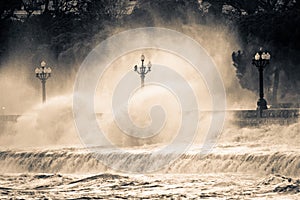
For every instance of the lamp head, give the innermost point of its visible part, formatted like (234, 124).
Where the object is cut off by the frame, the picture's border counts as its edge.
(149, 66)
(257, 56)
(43, 64)
(268, 56)
(48, 70)
(37, 70)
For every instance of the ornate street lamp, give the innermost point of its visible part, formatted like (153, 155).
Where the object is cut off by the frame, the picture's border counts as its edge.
(142, 71)
(43, 73)
(261, 59)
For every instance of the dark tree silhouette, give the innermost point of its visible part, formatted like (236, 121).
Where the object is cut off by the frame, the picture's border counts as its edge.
(8, 7)
(169, 10)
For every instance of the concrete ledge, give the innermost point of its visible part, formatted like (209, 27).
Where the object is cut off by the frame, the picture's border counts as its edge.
(270, 113)
(242, 118)
(251, 118)
(9, 118)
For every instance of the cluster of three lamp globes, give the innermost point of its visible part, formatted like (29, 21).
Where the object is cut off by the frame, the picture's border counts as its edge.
(43, 72)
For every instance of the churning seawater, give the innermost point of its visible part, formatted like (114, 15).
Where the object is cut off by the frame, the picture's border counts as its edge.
(246, 163)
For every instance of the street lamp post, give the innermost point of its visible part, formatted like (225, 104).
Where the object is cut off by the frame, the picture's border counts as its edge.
(261, 59)
(142, 71)
(43, 73)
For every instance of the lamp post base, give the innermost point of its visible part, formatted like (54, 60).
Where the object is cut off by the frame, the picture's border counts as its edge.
(262, 104)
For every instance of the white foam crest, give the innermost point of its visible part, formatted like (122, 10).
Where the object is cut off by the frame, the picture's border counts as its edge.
(43, 125)
(81, 161)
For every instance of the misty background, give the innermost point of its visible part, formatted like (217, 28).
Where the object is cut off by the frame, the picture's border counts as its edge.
(63, 32)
